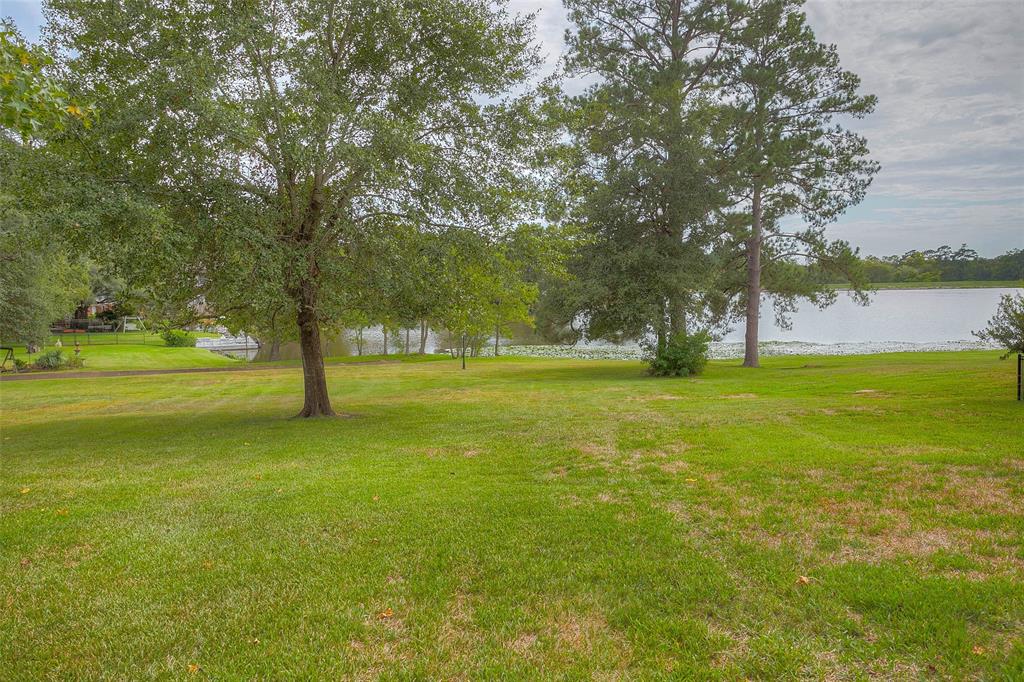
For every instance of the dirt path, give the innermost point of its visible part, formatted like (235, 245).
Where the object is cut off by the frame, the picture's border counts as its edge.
(96, 374)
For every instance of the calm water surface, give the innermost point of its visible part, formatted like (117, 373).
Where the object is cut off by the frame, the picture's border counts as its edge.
(912, 315)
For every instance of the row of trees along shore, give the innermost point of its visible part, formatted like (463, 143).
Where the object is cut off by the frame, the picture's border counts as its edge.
(945, 264)
(310, 165)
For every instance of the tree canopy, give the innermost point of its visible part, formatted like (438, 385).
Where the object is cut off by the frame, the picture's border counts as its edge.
(278, 138)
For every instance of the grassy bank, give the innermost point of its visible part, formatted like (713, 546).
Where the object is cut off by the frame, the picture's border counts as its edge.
(133, 354)
(824, 518)
(151, 355)
(966, 284)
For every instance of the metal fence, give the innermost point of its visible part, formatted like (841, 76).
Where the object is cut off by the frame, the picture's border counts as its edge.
(85, 337)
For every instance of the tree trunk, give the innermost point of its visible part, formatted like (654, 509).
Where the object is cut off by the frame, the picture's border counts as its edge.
(750, 353)
(275, 349)
(497, 337)
(317, 402)
(385, 330)
(423, 337)
(677, 316)
(406, 340)
(661, 330)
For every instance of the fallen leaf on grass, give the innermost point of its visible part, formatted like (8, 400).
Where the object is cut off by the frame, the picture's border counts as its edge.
(978, 650)
(691, 480)
(26, 490)
(60, 512)
(25, 561)
(386, 613)
(376, 498)
(207, 564)
(803, 580)
(193, 668)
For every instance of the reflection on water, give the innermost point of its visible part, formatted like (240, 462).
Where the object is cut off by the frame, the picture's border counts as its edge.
(914, 315)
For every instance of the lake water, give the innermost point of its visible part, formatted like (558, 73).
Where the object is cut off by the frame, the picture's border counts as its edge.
(896, 319)
(907, 315)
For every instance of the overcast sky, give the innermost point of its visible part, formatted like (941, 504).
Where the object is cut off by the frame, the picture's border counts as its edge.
(948, 130)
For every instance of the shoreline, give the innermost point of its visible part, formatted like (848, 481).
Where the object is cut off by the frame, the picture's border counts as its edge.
(718, 350)
(931, 286)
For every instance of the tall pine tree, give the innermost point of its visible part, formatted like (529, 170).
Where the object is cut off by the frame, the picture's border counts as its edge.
(783, 91)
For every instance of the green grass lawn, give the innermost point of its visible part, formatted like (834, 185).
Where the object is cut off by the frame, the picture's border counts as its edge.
(964, 284)
(154, 354)
(822, 518)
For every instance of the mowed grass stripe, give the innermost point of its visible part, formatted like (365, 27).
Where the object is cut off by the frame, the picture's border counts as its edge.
(524, 518)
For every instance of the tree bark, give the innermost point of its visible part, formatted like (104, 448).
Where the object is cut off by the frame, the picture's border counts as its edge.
(406, 340)
(497, 337)
(317, 402)
(275, 349)
(423, 337)
(751, 357)
(677, 316)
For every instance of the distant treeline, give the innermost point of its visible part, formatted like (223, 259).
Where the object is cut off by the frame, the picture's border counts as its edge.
(945, 264)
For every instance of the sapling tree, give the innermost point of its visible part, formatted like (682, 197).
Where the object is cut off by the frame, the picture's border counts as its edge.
(274, 133)
(783, 90)
(1006, 327)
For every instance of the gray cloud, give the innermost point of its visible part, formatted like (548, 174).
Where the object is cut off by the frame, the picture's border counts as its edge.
(948, 130)
(949, 76)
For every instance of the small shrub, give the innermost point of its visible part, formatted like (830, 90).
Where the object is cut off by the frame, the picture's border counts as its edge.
(52, 359)
(178, 338)
(20, 364)
(1006, 328)
(683, 355)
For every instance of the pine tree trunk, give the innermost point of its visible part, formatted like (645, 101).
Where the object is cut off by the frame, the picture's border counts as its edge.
(677, 316)
(750, 353)
(317, 402)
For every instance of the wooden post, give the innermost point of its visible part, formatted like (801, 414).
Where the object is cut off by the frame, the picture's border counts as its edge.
(1020, 371)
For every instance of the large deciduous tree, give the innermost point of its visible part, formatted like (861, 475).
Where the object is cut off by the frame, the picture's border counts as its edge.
(31, 101)
(41, 280)
(274, 133)
(783, 92)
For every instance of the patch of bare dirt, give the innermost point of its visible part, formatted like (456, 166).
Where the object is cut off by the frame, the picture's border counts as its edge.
(523, 644)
